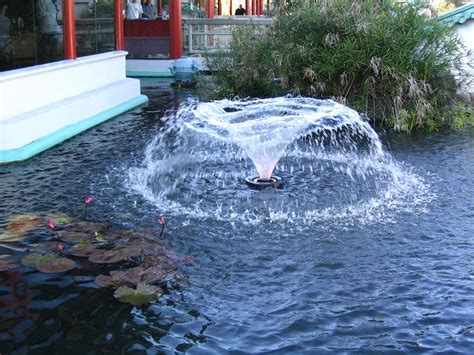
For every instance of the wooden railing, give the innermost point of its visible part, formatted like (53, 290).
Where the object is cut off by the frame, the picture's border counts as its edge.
(209, 35)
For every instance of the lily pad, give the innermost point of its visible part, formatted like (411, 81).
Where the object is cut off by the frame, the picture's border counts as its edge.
(56, 265)
(8, 262)
(34, 258)
(60, 218)
(141, 295)
(74, 236)
(85, 252)
(103, 281)
(117, 254)
(21, 224)
(7, 237)
(23, 217)
(82, 244)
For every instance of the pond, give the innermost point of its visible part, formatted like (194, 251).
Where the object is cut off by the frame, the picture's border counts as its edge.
(344, 258)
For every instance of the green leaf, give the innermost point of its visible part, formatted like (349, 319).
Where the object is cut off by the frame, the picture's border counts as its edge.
(82, 244)
(34, 258)
(60, 218)
(141, 295)
(55, 265)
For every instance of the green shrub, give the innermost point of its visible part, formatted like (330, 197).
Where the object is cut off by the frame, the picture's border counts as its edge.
(387, 60)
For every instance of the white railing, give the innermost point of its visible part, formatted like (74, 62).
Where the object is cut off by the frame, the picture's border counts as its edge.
(209, 35)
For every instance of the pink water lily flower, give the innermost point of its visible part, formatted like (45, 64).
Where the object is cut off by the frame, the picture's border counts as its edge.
(162, 220)
(51, 225)
(89, 200)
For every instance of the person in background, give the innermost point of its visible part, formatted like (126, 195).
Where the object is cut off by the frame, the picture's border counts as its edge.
(164, 13)
(240, 11)
(149, 11)
(134, 10)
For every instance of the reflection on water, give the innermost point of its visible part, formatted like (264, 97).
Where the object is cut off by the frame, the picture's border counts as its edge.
(392, 279)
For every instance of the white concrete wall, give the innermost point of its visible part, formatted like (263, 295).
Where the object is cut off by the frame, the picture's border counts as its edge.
(466, 33)
(48, 103)
(30, 88)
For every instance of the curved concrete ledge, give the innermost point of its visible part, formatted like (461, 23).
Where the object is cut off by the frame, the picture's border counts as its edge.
(50, 140)
(43, 105)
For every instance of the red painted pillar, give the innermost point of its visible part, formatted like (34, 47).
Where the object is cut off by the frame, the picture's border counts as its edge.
(260, 7)
(159, 7)
(219, 7)
(118, 26)
(253, 7)
(210, 4)
(247, 7)
(69, 30)
(230, 8)
(176, 36)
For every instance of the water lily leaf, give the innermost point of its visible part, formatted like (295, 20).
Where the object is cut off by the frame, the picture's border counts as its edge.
(85, 252)
(82, 244)
(141, 295)
(162, 262)
(23, 217)
(103, 281)
(119, 253)
(130, 277)
(60, 218)
(53, 266)
(73, 236)
(34, 258)
(100, 238)
(108, 256)
(10, 238)
(21, 224)
(8, 262)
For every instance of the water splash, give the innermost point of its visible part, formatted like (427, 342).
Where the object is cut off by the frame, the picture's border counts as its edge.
(333, 164)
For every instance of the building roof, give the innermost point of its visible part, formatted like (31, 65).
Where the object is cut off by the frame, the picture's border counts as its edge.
(458, 15)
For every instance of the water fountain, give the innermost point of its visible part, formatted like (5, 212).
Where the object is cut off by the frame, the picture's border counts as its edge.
(329, 162)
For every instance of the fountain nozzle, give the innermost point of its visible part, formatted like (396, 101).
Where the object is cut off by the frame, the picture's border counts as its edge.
(258, 183)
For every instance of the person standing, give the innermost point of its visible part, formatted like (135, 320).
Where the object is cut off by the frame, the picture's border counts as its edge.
(134, 10)
(149, 11)
(240, 11)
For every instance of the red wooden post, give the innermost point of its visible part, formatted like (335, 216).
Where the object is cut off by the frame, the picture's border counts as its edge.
(247, 7)
(253, 7)
(230, 8)
(118, 26)
(219, 7)
(176, 36)
(159, 7)
(209, 8)
(69, 31)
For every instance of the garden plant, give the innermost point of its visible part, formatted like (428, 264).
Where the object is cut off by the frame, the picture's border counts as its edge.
(390, 61)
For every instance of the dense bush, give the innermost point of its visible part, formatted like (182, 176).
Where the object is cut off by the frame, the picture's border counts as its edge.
(387, 60)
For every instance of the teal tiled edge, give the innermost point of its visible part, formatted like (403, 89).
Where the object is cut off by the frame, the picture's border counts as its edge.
(46, 142)
(141, 74)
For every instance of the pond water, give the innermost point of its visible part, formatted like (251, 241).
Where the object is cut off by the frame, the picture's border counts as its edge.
(324, 265)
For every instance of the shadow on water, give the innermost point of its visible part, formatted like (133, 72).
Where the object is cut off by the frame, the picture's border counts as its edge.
(352, 256)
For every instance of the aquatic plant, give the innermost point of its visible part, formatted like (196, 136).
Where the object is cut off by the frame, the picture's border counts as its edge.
(53, 228)
(88, 201)
(141, 261)
(162, 222)
(388, 60)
